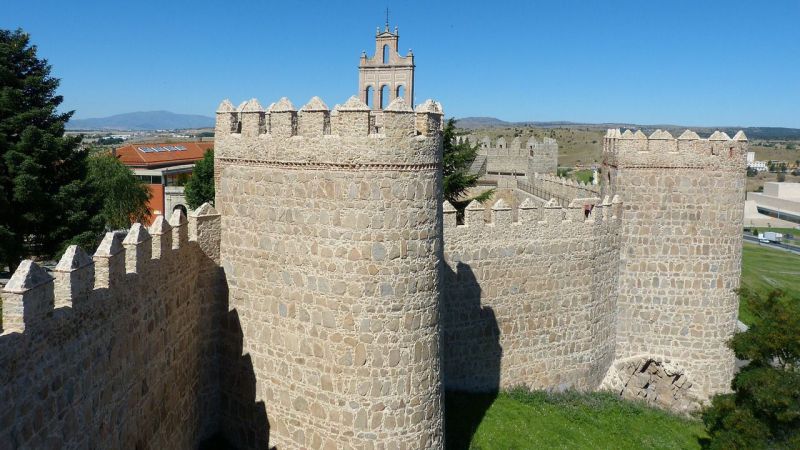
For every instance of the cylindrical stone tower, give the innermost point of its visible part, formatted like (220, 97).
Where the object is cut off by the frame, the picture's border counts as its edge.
(681, 255)
(331, 246)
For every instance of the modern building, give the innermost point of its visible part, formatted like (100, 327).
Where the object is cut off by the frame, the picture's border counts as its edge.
(164, 167)
(778, 205)
(759, 166)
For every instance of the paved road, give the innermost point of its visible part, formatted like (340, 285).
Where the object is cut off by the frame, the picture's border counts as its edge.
(777, 246)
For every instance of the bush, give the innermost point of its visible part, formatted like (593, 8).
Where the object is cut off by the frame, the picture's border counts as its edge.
(764, 409)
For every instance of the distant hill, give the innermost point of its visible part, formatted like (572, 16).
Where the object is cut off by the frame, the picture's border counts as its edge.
(143, 120)
(751, 132)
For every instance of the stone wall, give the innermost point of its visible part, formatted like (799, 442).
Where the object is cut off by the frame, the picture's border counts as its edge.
(515, 159)
(564, 190)
(116, 350)
(682, 249)
(331, 246)
(529, 302)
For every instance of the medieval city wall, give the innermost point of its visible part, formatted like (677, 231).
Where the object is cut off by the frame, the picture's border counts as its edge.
(530, 301)
(681, 255)
(115, 350)
(564, 190)
(331, 246)
(536, 156)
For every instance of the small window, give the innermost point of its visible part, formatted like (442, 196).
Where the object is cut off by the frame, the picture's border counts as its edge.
(401, 91)
(385, 54)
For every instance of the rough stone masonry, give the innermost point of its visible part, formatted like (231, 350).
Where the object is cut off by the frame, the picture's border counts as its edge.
(332, 296)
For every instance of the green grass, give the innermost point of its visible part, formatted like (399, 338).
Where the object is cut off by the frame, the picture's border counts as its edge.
(538, 420)
(765, 269)
(584, 176)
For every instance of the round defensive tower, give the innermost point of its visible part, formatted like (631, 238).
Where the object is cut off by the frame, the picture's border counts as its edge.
(680, 261)
(331, 245)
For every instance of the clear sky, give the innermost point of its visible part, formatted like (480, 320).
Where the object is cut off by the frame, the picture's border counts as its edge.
(733, 63)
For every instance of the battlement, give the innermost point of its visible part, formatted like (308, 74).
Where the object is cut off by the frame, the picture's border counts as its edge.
(532, 220)
(32, 295)
(662, 150)
(501, 147)
(347, 134)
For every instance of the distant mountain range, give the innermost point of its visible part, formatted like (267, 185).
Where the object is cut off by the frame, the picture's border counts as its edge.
(751, 132)
(143, 121)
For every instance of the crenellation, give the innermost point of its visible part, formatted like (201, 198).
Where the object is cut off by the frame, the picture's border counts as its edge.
(352, 119)
(138, 248)
(449, 213)
(161, 236)
(688, 151)
(252, 118)
(501, 214)
(28, 299)
(74, 278)
(180, 229)
(474, 214)
(314, 119)
(109, 261)
(282, 119)
(227, 119)
(399, 120)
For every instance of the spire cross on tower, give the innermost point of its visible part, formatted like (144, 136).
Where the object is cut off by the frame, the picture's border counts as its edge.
(387, 19)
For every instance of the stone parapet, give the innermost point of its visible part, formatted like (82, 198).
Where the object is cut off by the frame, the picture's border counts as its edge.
(314, 135)
(530, 301)
(662, 150)
(99, 355)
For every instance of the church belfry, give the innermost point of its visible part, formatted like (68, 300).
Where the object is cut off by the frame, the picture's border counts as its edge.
(386, 75)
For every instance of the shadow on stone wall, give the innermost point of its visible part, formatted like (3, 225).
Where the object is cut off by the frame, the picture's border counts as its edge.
(472, 354)
(243, 422)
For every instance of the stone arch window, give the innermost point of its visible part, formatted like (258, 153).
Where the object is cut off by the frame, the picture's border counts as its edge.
(368, 95)
(401, 91)
(384, 96)
(386, 53)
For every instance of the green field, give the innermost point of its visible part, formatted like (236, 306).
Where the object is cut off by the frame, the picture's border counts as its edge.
(539, 420)
(764, 269)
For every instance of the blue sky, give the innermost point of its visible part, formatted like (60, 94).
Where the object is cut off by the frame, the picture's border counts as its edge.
(649, 62)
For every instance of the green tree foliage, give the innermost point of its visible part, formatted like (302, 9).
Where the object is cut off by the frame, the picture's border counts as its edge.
(123, 196)
(44, 197)
(764, 409)
(455, 167)
(200, 186)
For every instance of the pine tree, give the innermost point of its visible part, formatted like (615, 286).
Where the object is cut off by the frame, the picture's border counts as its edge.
(456, 161)
(200, 187)
(45, 199)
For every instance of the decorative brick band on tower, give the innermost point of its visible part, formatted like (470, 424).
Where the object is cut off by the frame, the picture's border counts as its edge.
(331, 244)
(681, 257)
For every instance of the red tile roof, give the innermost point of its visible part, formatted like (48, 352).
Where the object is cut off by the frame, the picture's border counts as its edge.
(154, 155)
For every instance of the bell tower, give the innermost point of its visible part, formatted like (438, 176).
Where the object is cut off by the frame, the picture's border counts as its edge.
(386, 75)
